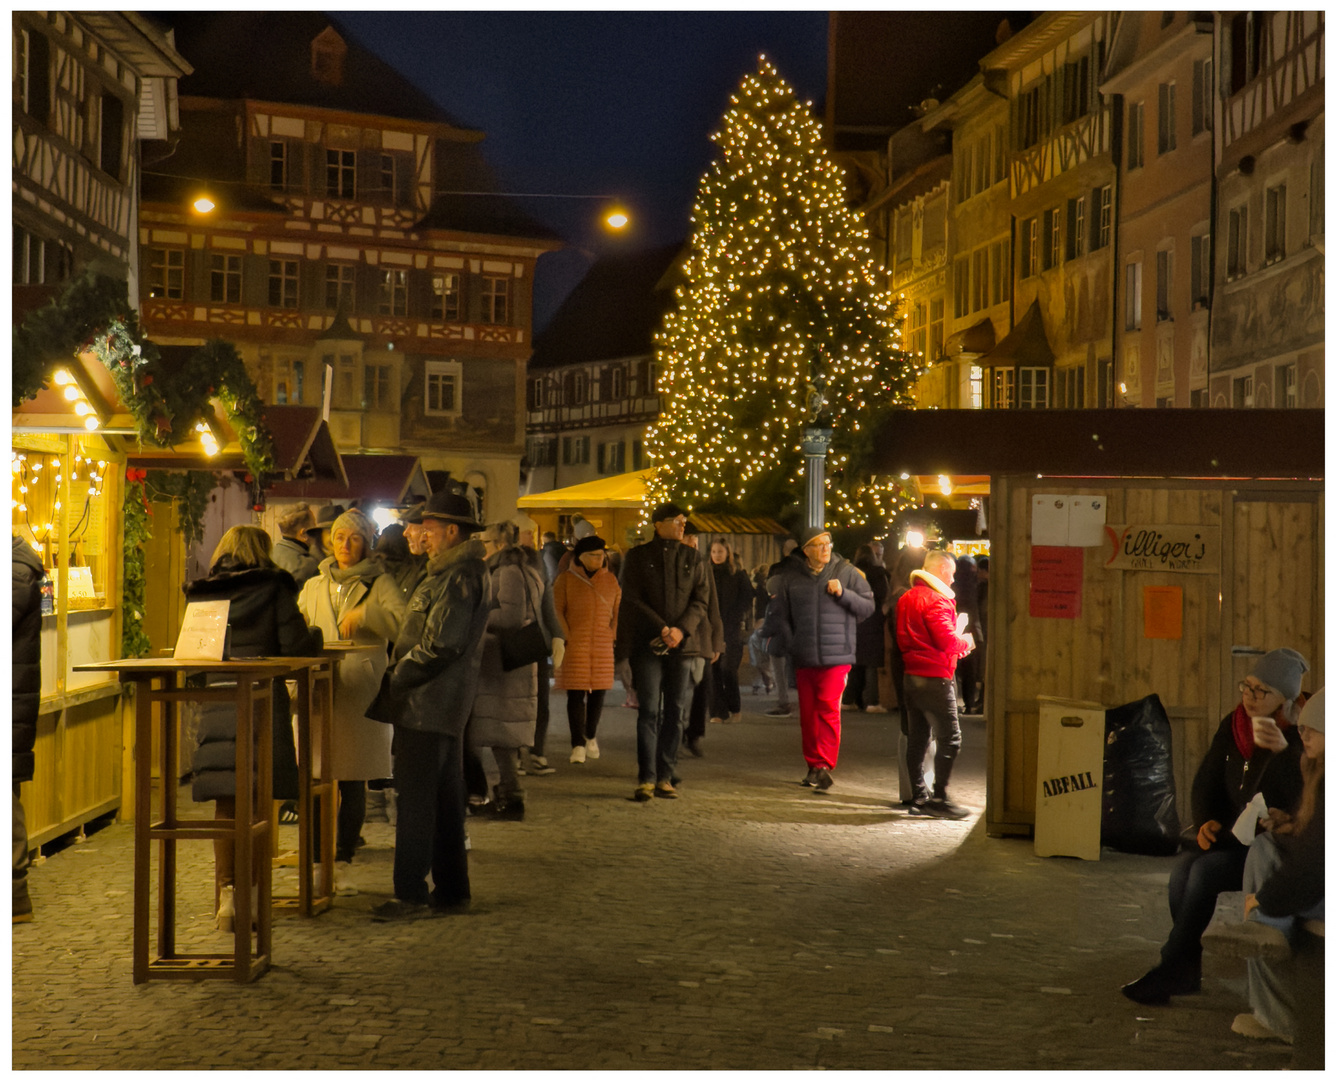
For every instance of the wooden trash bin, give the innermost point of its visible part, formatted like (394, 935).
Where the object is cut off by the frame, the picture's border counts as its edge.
(1070, 781)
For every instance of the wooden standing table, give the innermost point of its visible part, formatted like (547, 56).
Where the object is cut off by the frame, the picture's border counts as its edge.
(160, 681)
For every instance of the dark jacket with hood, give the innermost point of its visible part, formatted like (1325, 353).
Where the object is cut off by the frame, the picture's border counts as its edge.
(27, 656)
(264, 621)
(664, 583)
(734, 591)
(813, 628)
(437, 656)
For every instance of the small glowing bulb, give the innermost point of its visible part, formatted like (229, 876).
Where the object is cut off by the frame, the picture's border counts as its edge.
(91, 423)
(71, 393)
(62, 377)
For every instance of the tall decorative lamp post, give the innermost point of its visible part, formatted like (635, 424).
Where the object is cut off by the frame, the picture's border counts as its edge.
(816, 442)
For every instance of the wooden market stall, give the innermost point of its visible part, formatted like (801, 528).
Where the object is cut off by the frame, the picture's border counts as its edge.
(1133, 552)
(613, 505)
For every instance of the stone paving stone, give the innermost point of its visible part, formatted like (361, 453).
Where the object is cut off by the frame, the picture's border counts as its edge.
(750, 924)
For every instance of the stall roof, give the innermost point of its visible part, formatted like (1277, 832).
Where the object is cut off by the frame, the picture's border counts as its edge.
(387, 478)
(1196, 443)
(737, 524)
(625, 491)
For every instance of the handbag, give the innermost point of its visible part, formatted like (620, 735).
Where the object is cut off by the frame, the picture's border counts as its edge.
(525, 646)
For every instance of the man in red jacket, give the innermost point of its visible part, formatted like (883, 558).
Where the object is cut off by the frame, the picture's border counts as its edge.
(925, 629)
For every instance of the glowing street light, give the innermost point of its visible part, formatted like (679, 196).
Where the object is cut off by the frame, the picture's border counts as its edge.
(617, 219)
(204, 204)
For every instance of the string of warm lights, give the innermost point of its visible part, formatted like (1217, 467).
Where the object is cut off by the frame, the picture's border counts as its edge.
(780, 285)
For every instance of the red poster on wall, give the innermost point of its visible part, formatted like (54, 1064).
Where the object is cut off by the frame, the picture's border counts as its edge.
(1055, 582)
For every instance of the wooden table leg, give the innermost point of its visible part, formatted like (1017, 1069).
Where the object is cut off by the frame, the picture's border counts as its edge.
(243, 850)
(167, 847)
(262, 831)
(305, 811)
(143, 757)
(330, 805)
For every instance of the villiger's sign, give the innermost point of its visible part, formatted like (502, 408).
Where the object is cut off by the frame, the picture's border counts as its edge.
(1183, 549)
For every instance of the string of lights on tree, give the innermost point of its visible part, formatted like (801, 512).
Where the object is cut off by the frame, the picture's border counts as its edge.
(781, 290)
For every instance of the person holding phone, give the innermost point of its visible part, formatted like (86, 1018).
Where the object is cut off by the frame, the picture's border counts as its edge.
(1255, 749)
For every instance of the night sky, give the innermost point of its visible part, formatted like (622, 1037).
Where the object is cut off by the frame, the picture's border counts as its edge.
(595, 103)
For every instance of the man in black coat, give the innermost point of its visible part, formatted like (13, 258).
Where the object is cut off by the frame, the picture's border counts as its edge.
(27, 669)
(663, 624)
(430, 695)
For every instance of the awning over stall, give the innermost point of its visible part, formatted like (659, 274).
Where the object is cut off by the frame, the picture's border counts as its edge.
(625, 491)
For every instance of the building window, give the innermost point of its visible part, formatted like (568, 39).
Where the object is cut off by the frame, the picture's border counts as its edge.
(965, 179)
(1001, 252)
(1029, 248)
(21, 69)
(637, 455)
(936, 328)
(1030, 123)
(575, 389)
(1200, 278)
(1246, 48)
(1168, 139)
(1132, 320)
(1033, 388)
(289, 381)
(1076, 226)
(166, 273)
(534, 397)
(1275, 223)
(278, 165)
(495, 300)
(1203, 76)
(611, 458)
(341, 174)
(961, 287)
(918, 330)
(35, 68)
(1164, 284)
(976, 387)
(1049, 249)
(387, 176)
(1243, 392)
(393, 292)
(1136, 127)
(979, 284)
(1104, 203)
(904, 236)
(283, 283)
(1075, 90)
(575, 450)
(1287, 387)
(339, 281)
(112, 140)
(38, 261)
(1002, 388)
(1197, 399)
(376, 388)
(1069, 388)
(999, 153)
(983, 160)
(445, 297)
(618, 383)
(1236, 254)
(225, 279)
(444, 387)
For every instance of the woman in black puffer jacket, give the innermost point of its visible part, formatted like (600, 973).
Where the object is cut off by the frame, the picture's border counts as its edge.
(264, 621)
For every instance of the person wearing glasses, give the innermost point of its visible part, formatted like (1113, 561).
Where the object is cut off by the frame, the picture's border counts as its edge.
(817, 602)
(1256, 750)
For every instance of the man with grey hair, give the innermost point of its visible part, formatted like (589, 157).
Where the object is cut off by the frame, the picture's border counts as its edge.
(292, 552)
(925, 628)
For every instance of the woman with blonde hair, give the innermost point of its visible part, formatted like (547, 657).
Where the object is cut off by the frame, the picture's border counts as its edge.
(355, 598)
(264, 621)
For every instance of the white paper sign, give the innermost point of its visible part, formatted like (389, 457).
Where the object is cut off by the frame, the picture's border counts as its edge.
(1246, 826)
(203, 631)
(1048, 520)
(1085, 522)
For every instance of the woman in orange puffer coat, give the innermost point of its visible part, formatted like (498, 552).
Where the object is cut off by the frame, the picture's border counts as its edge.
(586, 596)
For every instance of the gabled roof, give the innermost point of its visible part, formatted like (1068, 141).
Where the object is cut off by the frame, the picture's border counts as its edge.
(485, 213)
(1026, 346)
(613, 313)
(266, 55)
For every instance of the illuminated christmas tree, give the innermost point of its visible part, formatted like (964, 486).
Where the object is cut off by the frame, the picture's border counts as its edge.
(781, 300)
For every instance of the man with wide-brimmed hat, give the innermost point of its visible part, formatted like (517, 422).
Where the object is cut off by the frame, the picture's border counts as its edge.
(664, 622)
(431, 691)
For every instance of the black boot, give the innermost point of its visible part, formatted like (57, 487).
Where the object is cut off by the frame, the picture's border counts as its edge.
(1164, 981)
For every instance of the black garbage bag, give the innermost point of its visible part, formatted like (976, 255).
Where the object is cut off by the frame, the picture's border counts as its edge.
(1140, 813)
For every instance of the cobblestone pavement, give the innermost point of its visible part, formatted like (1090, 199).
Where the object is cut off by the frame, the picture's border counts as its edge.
(751, 924)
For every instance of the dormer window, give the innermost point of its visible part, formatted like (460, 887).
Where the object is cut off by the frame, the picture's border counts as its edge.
(328, 51)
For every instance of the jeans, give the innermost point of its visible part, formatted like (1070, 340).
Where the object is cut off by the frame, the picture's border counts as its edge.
(726, 696)
(862, 690)
(659, 729)
(1196, 881)
(702, 691)
(22, 905)
(429, 832)
(760, 659)
(930, 704)
(584, 709)
(819, 691)
(782, 674)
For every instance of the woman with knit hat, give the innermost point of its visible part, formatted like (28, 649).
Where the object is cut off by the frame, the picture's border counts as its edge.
(1255, 749)
(355, 597)
(587, 596)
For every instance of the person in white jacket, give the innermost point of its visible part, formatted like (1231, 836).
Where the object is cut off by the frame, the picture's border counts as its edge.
(355, 598)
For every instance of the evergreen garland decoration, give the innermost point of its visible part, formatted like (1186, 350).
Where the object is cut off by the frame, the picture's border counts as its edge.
(135, 523)
(94, 314)
(784, 320)
(193, 489)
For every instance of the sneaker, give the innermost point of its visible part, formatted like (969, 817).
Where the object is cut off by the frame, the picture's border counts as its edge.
(916, 807)
(945, 808)
(779, 710)
(225, 918)
(644, 792)
(733, 718)
(591, 749)
(538, 766)
(1246, 940)
(578, 754)
(717, 720)
(693, 747)
(343, 882)
(876, 708)
(810, 779)
(664, 790)
(397, 910)
(823, 781)
(1249, 1026)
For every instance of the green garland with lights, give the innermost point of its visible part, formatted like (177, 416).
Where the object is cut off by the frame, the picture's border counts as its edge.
(784, 320)
(135, 512)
